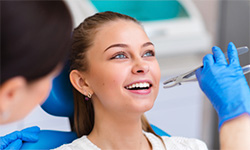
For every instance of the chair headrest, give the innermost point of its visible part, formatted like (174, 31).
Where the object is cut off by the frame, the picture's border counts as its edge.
(60, 101)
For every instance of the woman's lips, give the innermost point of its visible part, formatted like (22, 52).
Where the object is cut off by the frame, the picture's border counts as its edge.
(141, 91)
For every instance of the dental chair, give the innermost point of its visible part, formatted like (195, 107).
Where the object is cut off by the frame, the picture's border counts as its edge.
(60, 103)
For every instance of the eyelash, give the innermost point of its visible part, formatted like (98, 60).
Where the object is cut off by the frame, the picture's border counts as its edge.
(150, 51)
(119, 53)
(125, 56)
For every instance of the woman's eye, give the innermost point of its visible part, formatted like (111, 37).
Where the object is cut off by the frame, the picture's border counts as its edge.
(149, 54)
(119, 56)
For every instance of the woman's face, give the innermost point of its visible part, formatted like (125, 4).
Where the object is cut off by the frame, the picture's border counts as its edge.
(123, 71)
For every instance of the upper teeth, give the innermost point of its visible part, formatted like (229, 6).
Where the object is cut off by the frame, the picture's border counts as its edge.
(138, 85)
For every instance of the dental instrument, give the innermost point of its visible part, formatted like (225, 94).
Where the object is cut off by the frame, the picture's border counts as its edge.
(190, 76)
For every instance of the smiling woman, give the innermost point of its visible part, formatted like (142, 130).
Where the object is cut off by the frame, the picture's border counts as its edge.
(122, 61)
(116, 78)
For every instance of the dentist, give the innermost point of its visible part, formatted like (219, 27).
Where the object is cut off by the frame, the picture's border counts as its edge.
(35, 40)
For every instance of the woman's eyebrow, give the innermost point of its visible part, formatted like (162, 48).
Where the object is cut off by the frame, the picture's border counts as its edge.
(147, 44)
(116, 45)
(124, 45)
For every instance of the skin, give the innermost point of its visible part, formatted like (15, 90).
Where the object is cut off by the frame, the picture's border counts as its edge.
(121, 54)
(18, 97)
(235, 134)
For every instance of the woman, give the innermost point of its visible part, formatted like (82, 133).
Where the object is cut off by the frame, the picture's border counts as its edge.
(35, 40)
(116, 77)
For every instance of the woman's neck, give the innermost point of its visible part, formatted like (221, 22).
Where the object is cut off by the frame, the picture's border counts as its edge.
(118, 133)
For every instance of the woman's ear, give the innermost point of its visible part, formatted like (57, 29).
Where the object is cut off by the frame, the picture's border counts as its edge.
(78, 80)
(10, 92)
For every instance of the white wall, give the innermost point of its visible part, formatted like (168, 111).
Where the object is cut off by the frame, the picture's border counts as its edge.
(38, 117)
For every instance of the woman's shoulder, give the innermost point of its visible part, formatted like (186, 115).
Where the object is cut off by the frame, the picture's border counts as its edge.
(82, 143)
(183, 143)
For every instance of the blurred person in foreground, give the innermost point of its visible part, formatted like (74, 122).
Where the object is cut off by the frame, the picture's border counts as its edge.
(35, 41)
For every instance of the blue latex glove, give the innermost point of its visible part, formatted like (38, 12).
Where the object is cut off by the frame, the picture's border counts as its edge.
(224, 84)
(14, 140)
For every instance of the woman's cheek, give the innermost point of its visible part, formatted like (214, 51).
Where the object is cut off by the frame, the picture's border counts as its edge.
(155, 69)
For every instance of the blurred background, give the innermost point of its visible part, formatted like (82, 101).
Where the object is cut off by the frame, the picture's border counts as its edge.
(183, 32)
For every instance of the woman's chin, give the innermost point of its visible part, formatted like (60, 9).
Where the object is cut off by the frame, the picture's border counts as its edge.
(145, 107)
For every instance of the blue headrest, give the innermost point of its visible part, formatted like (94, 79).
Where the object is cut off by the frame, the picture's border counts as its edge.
(159, 131)
(60, 101)
(49, 139)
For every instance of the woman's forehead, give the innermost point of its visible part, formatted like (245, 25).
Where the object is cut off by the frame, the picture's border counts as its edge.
(118, 24)
(118, 28)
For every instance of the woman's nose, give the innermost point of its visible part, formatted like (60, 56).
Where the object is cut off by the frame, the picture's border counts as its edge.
(140, 67)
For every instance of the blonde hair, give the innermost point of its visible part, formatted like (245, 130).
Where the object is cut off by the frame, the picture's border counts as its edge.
(83, 37)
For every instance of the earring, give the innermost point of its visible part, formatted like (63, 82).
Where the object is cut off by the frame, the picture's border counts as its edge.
(88, 97)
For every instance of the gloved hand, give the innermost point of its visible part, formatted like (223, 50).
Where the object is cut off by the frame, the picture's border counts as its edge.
(224, 84)
(14, 140)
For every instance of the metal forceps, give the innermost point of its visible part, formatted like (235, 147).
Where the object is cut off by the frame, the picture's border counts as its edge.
(190, 76)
